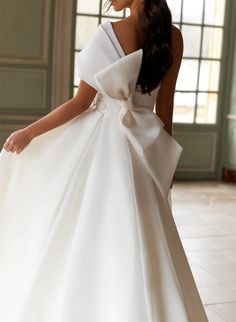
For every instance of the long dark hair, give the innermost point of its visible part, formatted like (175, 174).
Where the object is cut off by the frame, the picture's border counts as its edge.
(156, 23)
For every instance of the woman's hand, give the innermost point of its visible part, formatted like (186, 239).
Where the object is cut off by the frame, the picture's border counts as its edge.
(18, 141)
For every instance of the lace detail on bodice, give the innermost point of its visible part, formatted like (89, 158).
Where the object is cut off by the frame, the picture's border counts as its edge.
(96, 101)
(105, 105)
(137, 98)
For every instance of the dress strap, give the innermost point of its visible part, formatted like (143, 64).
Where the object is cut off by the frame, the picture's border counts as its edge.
(108, 29)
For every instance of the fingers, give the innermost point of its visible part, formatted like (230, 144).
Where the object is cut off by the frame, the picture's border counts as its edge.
(10, 147)
(6, 146)
(13, 149)
(16, 142)
(18, 151)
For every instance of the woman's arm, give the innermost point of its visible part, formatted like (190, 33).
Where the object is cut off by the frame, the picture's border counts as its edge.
(165, 98)
(65, 112)
(18, 140)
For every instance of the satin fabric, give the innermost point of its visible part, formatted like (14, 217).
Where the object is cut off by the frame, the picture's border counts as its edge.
(86, 228)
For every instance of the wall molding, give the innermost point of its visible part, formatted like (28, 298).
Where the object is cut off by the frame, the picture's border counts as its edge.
(16, 122)
(17, 117)
(212, 166)
(13, 127)
(40, 74)
(47, 5)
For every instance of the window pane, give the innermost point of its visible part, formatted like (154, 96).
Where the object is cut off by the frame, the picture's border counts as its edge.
(192, 37)
(187, 79)
(175, 7)
(184, 107)
(212, 42)
(85, 28)
(209, 75)
(192, 11)
(91, 6)
(214, 12)
(206, 108)
(76, 76)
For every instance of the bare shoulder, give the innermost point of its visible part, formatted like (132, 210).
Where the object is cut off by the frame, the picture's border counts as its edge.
(127, 34)
(121, 26)
(124, 28)
(177, 41)
(121, 23)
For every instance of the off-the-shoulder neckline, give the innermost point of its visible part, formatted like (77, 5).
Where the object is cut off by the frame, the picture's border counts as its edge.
(124, 54)
(118, 42)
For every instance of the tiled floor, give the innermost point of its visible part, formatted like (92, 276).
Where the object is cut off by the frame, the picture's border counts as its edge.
(205, 215)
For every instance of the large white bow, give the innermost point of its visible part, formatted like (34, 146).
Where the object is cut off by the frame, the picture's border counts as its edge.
(141, 125)
(117, 81)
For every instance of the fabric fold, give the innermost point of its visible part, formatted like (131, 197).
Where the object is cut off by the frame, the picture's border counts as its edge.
(159, 151)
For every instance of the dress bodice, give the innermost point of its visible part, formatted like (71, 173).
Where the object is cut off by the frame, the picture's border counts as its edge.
(138, 98)
(104, 65)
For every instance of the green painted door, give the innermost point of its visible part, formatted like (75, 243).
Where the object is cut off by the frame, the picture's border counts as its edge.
(26, 29)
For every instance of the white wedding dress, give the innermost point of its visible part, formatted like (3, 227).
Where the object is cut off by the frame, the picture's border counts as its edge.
(86, 229)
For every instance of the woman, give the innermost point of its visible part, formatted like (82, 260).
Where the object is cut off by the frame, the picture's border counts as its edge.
(86, 231)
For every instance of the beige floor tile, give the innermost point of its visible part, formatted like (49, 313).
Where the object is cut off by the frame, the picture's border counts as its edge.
(197, 244)
(227, 311)
(213, 316)
(205, 216)
(204, 230)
